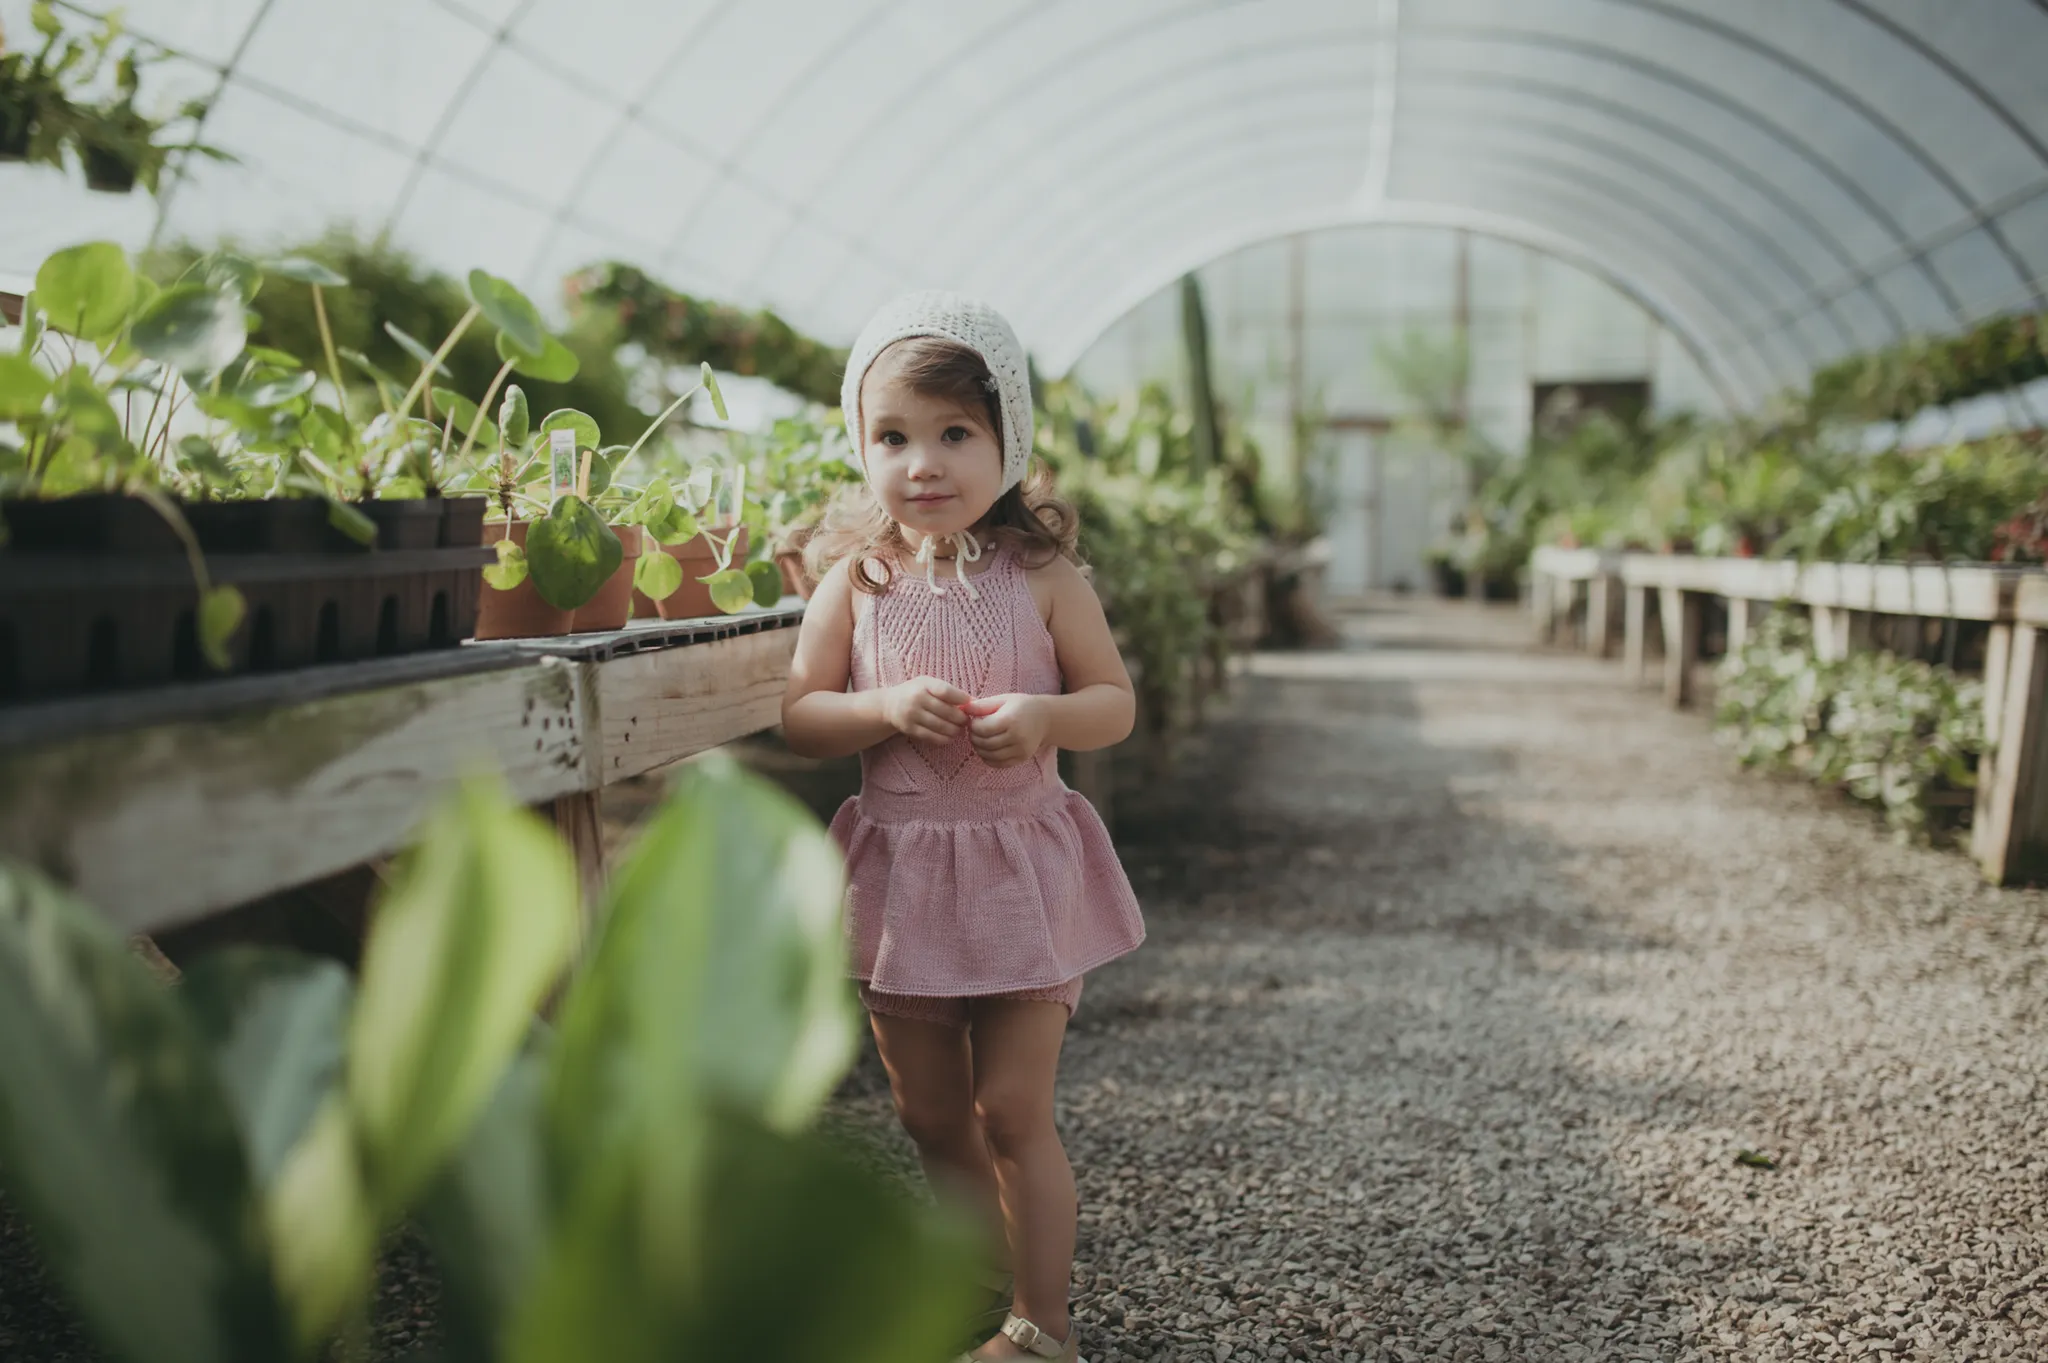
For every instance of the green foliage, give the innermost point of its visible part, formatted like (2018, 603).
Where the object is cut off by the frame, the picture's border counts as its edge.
(571, 553)
(1895, 383)
(674, 328)
(61, 101)
(209, 1168)
(1897, 732)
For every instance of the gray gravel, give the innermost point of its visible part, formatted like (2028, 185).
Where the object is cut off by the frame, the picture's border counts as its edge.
(1470, 974)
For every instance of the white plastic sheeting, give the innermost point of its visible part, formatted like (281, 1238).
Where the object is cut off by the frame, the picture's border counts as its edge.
(1779, 182)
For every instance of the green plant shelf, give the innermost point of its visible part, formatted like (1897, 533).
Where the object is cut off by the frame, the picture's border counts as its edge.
(168, 805)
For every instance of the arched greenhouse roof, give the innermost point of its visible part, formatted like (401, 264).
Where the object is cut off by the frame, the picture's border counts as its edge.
(1780, 183)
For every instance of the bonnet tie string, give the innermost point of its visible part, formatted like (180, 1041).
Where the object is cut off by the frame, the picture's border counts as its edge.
(967, 549)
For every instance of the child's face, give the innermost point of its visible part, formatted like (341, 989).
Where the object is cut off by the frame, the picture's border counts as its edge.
(935, 464)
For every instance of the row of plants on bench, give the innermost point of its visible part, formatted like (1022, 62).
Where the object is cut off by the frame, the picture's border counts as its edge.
(123, 395)
(76, 95)
(209, 1167)
(1897, 382)
(1899, 733)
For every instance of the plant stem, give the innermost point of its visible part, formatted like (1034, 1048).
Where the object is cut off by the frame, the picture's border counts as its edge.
(166, 508)
(327, 344)
(658, 423)
(484, 406)
(427, 370)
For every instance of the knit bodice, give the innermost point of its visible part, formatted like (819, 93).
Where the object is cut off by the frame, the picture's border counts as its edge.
(988, 642)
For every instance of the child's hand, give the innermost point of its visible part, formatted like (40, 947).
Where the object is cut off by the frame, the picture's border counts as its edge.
(926, 710)
(1010, 729)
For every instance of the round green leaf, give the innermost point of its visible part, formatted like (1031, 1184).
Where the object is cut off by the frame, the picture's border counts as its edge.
(509, 311)
(87, 290)
(198, 454)
(657, 575)
(767, 580)
(731, 590)
(306, 271)
(671, 524)
(513, 419)
(193, 329)
(571, 553)
(22, 388)
(569, 419)
(237, 274)
(510, 569)
(277, 391)
(220, 615)
(551, 362)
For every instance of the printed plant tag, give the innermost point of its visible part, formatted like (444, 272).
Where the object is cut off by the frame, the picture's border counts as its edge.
(561, 463)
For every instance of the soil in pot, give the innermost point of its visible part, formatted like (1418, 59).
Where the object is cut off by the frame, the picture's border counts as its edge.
(614, 600)
(519, 613)
(692, 600)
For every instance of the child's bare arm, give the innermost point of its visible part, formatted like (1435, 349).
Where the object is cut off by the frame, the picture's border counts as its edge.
(821, 718)
(1098, 707)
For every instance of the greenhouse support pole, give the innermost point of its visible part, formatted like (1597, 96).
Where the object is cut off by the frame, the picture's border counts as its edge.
(1207, 446)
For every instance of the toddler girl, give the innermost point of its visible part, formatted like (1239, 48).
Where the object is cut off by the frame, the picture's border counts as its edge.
(953, 643)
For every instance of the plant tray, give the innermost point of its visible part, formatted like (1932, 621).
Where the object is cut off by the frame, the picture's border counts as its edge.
(106, 523)
(74, 623)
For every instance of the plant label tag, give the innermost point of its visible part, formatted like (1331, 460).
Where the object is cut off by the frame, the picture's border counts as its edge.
(561, 463)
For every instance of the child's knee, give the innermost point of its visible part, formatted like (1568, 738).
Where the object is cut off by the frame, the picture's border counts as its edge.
(1013, 1118)
(934, 1123)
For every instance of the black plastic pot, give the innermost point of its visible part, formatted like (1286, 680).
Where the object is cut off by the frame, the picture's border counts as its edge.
(406, 524)
(107, 171)
(76, 623)
(14, 138)
(462, 521)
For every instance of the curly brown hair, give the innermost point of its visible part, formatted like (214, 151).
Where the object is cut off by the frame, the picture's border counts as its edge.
(1030, 516)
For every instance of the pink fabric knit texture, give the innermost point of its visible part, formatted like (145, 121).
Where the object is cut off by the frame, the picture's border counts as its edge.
(965, 879)
(955, 1012)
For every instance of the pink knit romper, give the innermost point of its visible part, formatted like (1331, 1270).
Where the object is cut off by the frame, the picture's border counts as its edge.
(966, 880)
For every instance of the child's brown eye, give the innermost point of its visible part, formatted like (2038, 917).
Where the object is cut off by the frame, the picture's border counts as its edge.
(956, 433)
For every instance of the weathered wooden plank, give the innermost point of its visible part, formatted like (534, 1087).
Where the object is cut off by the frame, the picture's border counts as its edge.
(1575, 565)
(1635, 628)
(1680, 610)
(161, 824)
(1997, 673)
(1943, 591)
(1600, 603)
(2012, 843)
(658, 708)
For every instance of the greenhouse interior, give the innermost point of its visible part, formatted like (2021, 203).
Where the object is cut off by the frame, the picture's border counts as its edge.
(607, 610)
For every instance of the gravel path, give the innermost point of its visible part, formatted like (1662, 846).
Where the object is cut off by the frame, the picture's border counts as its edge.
(1470, 974)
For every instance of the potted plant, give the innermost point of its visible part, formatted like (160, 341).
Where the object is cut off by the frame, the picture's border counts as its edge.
(803, 465)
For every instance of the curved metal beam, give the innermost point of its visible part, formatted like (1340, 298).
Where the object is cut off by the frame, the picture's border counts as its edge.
(170, 191)
(431, 143)
(1114, 306)
(1202, 177)
(1027, 245)
(1955, 71)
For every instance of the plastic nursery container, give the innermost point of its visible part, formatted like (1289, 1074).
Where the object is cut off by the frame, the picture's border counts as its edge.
(614, 600)
(519, 613)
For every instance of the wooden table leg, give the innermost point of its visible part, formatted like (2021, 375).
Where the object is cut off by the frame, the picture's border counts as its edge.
(1600, 615)
(1635, 629)
(1681, 615)
(579, 818)
(1542, 605)
(1738, 623)
(2010, 838)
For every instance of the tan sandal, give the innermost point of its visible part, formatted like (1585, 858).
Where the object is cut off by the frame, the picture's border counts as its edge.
(1036, 1342)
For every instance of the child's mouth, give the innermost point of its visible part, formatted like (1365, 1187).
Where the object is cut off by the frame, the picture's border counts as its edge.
(931, 498)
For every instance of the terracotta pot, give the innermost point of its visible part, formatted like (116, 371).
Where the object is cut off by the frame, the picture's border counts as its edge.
(692, 600)
(614, 600)
(795, 581)
(1745, 547)
(519, 613)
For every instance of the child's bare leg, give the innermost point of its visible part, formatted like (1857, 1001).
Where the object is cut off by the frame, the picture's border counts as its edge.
(1016, 1057)
(931, 1078)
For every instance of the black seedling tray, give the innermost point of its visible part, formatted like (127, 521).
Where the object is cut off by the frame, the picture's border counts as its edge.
(73, 623)
(108, 523)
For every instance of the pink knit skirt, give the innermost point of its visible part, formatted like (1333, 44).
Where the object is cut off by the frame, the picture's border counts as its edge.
(946, 902)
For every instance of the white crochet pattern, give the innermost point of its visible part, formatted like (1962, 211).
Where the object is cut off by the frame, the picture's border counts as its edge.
(973, 324)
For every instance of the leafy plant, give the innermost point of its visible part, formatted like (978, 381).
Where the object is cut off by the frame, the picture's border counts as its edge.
(208, 1168)
(46, 106)
(1899, 733)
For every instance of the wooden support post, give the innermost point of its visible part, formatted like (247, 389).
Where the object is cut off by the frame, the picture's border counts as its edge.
(1600, 615)
(579, 818)
(1542, 602)
(1997, 667)
(1681, 615)
(1738, 623)
(2010, 839)
(1827, 634)
(1635, 628)
(1566, 591)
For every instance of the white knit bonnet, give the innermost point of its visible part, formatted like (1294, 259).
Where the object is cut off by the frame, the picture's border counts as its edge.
(964, 320)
